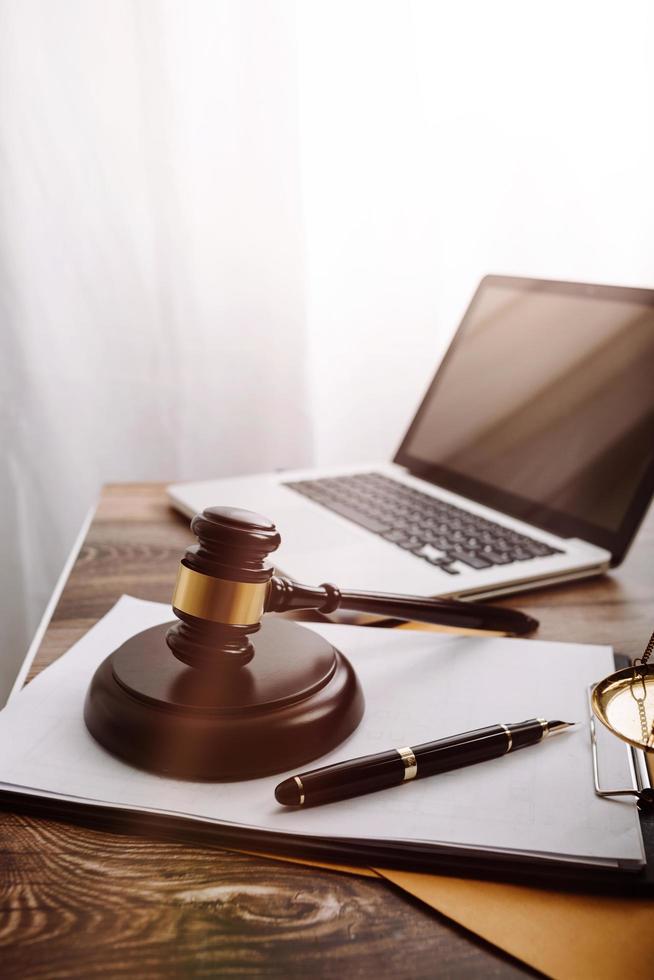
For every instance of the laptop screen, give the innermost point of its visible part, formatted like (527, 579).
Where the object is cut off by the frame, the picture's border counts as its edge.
(544, 406)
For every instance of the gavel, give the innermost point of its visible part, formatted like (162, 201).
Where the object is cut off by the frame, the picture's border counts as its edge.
(225, 585)
(245, 694)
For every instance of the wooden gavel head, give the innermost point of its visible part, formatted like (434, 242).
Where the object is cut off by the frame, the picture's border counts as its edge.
(222, 587)
(225, 584)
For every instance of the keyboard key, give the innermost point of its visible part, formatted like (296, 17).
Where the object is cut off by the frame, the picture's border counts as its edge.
(496, 557)
(395, 536)
(520, 554)
(470, 558)
(431, 554)
(447, 568)
(410, 544)
(370, 523)
(538, 549)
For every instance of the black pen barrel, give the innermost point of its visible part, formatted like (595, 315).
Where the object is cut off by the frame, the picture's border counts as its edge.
(461, 750)
(526, 733)
(367, 774)
(344, 779)
(480, 745)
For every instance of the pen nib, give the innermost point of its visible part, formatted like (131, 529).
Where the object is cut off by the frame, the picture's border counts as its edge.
(553, 727)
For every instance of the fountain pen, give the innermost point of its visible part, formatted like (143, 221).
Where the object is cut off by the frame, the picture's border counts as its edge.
(369, 773)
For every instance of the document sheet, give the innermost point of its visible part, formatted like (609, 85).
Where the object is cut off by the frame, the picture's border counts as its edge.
(535, 803)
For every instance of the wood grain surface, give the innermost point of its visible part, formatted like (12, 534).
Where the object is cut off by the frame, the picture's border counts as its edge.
(78, 902)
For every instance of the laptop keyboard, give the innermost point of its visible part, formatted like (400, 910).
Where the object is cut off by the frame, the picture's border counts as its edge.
(432, 529)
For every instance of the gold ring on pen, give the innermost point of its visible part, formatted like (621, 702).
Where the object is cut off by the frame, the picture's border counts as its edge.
(410, 764)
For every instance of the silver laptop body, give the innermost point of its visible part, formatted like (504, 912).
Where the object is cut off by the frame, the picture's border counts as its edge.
(529, 462)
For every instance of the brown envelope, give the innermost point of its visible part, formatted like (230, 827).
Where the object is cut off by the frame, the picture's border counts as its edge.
(570, 937)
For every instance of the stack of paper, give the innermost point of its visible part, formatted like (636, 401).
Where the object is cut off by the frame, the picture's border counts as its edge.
(537, 804)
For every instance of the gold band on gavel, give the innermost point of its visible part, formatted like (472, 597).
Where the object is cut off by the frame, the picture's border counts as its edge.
(218, 599)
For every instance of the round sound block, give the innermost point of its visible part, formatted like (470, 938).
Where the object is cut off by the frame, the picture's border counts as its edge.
(296, 699)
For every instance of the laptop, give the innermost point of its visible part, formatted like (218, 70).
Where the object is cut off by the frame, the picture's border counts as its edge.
(530, 460)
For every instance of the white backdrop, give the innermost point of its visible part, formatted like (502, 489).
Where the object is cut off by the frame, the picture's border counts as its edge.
(445, 140)
(237, 234)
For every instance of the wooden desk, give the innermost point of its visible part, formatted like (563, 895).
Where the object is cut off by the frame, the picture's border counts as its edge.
(84, 903)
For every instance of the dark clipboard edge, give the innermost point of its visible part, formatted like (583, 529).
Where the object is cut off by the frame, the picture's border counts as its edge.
(488, 867)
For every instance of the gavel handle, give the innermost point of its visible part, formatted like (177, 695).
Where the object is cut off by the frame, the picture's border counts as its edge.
(285, 595)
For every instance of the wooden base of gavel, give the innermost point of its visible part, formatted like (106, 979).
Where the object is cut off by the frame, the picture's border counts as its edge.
(223, 694)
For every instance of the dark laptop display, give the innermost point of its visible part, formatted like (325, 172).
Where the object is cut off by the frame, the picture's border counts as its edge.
(557, 380)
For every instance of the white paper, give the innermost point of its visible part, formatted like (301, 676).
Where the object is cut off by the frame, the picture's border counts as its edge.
(418, 687)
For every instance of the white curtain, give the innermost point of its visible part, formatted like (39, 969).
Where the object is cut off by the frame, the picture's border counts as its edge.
(151, 277)
(442, 140)
(236, 235)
